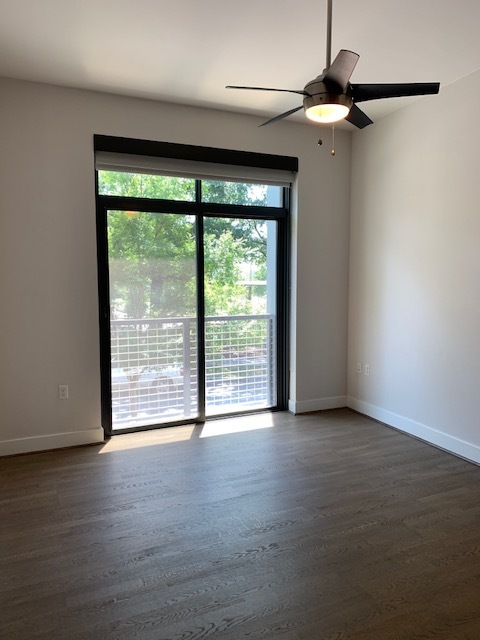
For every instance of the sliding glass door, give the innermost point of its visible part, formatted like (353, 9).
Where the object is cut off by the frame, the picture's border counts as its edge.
(240, 314)
(193, 298)
(153, 325)
(153, 301)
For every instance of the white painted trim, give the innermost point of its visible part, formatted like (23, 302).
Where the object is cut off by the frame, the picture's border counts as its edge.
(320, 404)
(430, 435)
(53, 441)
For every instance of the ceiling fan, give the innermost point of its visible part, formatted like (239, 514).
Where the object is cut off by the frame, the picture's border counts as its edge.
(332, 97)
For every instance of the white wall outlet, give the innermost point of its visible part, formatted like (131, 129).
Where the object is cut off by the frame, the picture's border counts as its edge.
(367, 369)
(359, 367)
(63, 391)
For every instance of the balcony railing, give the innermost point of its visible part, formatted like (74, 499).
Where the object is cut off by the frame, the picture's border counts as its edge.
(155, 368)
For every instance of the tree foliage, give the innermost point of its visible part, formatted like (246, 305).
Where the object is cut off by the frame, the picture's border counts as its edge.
(152, 255)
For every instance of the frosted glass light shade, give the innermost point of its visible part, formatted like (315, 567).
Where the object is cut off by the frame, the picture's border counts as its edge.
(327, 112)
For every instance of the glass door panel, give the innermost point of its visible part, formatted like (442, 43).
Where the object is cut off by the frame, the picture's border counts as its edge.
(240, 314)
(153, 326)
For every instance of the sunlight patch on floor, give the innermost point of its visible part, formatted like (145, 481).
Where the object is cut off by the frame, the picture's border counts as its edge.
(237, 425)
(148, 438)
(170, 435)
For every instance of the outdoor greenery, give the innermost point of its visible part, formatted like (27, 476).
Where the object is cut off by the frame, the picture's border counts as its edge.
(152, 256)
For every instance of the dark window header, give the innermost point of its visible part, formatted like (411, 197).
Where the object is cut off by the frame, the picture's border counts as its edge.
(194, 153)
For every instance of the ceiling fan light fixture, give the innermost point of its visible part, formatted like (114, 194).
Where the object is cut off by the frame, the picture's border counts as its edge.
(327, 113)
(325, 106)
(331, 96)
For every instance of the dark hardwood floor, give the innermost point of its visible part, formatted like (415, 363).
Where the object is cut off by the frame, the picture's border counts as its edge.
(321, 527)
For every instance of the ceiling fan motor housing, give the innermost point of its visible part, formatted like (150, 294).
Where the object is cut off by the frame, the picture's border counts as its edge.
(320, 93)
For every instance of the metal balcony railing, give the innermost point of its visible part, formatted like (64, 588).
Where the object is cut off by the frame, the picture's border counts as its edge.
(154, 367)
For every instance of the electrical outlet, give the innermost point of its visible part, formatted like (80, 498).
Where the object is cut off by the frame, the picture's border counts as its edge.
(63, 391)
(359, 367)
(367, 369)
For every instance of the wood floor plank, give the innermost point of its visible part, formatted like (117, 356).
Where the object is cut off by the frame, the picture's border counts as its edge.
(325, 526)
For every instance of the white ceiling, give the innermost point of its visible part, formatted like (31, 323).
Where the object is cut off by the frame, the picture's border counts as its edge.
(186, 51)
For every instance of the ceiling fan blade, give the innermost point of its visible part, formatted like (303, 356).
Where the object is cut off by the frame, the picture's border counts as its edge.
(281, 116)
(301, 92)
(358, 118)
(363, 92)
(341, 69)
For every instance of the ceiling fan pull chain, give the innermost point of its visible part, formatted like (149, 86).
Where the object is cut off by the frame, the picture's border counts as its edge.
(333, 139)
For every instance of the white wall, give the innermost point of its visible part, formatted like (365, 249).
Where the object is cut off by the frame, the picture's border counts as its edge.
(414, 305)
(48, 286)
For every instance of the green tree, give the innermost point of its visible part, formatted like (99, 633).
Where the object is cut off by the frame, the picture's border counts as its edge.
(152, 256)
(223, 257)
(152, 264)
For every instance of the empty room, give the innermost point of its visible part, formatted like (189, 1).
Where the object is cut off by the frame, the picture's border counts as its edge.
(239, 330)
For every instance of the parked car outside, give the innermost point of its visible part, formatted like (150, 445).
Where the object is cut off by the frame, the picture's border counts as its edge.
(144, 380)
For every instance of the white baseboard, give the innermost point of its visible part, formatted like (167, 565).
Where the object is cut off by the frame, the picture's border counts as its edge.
(430, 435)
(53, 441)
(320, 404)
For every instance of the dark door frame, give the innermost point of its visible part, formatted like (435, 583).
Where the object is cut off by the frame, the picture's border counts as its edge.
(200, 210)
